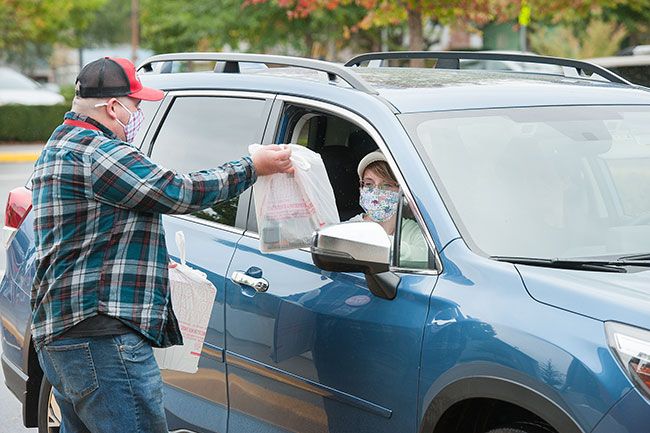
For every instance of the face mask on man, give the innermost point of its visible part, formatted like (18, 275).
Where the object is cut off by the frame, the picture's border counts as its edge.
(134, 123)
(380, 204)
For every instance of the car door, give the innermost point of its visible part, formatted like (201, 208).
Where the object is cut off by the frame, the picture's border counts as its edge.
(202, 130)
(317, 352)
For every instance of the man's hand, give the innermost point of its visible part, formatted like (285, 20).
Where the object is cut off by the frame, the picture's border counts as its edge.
(272, 159)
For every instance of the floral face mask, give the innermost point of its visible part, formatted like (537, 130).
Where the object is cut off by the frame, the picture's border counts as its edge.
(131, 127)
(379, 204)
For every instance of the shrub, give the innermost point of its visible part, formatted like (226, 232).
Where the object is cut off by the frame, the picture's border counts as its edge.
(67, 90)
(30, 122)
(599, 39)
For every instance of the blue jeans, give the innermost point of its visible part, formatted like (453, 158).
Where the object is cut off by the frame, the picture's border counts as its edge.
(105, 384)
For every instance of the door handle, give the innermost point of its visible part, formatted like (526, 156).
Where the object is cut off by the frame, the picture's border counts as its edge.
(441, 322)
(259, 284)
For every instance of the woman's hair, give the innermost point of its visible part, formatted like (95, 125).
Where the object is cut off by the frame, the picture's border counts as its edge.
(382, 170)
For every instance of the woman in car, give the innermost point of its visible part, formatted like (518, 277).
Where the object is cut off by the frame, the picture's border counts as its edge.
(379, 196)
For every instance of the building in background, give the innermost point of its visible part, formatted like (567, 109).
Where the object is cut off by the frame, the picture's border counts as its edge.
(66, 63)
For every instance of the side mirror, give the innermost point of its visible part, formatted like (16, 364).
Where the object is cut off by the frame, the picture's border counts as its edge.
(357, 247)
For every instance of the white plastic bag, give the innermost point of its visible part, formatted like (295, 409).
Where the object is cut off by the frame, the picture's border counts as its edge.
(290, 207)
(192, 299)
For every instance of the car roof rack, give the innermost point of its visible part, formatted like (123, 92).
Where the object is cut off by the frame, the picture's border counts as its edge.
(451, 60)
(230, 63)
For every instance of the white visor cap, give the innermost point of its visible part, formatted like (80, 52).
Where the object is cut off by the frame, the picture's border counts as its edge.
(369, 159)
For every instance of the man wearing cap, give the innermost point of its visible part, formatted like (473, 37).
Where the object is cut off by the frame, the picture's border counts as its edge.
(100, 297)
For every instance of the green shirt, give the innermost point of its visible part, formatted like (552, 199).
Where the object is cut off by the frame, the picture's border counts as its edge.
(413, 249)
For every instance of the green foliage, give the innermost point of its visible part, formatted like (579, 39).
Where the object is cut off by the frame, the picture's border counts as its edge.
(68, 92)
(599, 39)
(44, 21)
(467, 13)
(30, 28)
(316, 28)
(178, 25)
(569, 11)
(635, 17)
(30, 123)
(110, 24)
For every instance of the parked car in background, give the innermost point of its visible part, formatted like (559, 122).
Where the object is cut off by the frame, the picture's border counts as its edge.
(635, 68)
(510, 65)
(634, 50)
(529, 315)
(500, 62)
(16, 88)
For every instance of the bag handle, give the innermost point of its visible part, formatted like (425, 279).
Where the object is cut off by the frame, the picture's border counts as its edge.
(300, 162)
(180, 243)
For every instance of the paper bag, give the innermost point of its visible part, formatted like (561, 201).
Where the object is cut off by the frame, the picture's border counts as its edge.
(192, 299)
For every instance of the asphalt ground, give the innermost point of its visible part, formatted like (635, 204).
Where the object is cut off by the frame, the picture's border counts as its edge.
(16, 163)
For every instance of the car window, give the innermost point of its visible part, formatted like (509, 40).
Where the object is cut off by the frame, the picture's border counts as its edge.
(202, 132)
(149, 109)
(341, 145)
(411, 251)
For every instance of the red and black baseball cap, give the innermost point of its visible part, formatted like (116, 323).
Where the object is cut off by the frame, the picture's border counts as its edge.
(112, 77)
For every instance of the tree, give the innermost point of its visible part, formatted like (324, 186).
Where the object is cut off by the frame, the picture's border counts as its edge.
(591, 28)
(33, 26)
(634, 16)
(551, 375)
(45, 21)
(178, 25)
(110, 24)
(471, 13)
(384, 13)
(599, 39)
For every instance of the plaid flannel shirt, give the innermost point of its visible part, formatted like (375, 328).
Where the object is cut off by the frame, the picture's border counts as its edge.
(100, 243)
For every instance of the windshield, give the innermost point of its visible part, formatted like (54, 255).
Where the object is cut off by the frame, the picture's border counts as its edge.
(547, 182)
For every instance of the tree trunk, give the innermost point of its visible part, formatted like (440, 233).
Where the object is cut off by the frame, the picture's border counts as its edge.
(331, 46)
(416, 37)
(309, 45)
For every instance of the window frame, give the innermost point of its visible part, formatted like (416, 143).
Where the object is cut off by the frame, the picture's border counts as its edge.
(148, 143)
(148, 125)
(272, 130)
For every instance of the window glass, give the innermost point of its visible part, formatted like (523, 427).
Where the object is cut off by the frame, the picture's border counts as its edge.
(413, 251)
(201, 132)
(543, 182)
(302, 131)
(628, 161)
(149, 109)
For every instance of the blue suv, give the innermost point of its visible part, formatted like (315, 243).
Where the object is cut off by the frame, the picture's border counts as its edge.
(532, 191)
